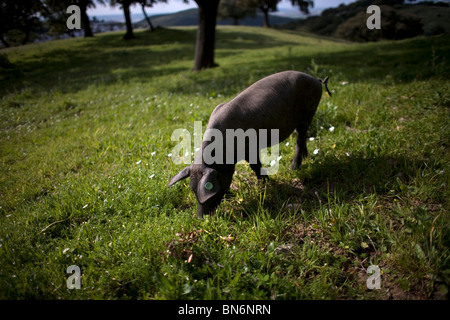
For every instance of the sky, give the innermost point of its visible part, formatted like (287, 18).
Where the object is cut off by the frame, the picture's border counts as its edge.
(285, 7)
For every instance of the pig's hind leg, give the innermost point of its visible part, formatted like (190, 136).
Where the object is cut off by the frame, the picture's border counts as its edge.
(301, 151)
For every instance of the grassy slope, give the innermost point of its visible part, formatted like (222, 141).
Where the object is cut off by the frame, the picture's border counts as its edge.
(84, 141)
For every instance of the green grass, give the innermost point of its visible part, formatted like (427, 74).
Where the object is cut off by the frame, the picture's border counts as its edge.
(85, 133)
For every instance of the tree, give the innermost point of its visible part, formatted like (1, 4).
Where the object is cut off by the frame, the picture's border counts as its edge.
(149, 3)
(235, 9)
(267, 6)
(303, 5)
(19, 17)
(55, 12)
(206, 31)
(396, 25)
(206, 34)
(84, 5)
(125, 4)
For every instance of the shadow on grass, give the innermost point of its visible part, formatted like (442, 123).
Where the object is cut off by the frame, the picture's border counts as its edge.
(247, 40)
(109, 59)
(158, 37)
(406, 61)
(333, 179)
(105, 59)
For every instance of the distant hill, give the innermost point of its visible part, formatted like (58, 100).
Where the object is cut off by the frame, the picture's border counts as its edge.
(398, 20)
(190, 18)
(181, 18)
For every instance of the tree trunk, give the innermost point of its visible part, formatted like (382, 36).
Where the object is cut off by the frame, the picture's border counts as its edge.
(85, 20)
(147, 18)
(126, 11)
(265, 11)
(206, 33)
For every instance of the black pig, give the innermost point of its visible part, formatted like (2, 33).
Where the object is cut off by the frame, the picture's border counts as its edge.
(286, 101)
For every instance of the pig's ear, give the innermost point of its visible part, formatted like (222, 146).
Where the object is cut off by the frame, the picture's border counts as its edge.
(183, 174)
(208, 186)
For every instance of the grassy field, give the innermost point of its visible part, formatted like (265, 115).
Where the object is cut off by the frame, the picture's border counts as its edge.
(85, 138)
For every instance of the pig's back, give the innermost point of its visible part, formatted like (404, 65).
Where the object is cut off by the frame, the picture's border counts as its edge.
(281, 101)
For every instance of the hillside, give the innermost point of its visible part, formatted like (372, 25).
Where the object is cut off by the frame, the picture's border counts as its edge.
(398, 21)
(190, 18)
(88, 130)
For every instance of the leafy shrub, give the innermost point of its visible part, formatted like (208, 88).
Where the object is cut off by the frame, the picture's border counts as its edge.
(394, 26)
